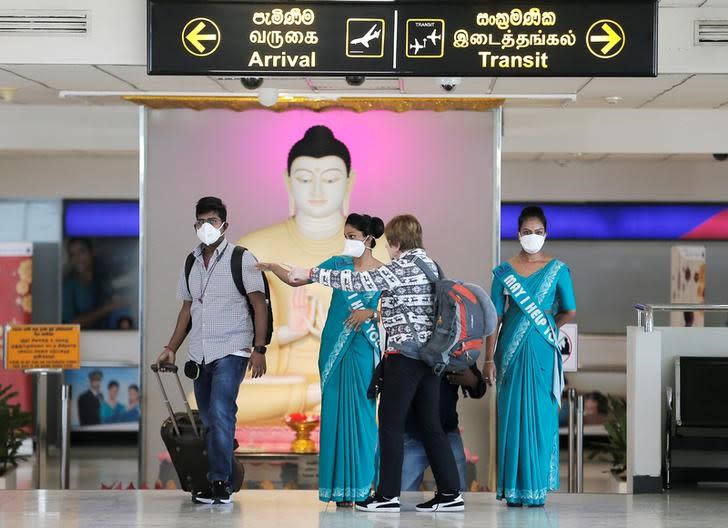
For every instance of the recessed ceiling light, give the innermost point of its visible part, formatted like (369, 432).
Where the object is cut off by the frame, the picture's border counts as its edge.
(613, 99)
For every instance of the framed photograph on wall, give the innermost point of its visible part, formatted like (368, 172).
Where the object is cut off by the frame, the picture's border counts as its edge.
(104, 398)
(101, 264)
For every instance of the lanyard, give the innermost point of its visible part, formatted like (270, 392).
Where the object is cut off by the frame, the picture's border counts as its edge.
(209, 275)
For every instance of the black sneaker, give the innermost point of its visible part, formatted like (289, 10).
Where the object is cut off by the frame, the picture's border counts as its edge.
(221, 492)
(377, 503)
(203, 497)
(443, 503)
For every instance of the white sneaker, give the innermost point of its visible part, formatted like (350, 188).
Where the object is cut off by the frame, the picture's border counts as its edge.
(443, 503)
(377, 503)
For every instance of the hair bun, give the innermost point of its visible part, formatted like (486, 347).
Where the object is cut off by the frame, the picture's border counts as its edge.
(319, 133)
(376, 227)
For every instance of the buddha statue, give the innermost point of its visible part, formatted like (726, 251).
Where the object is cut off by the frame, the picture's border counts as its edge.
(319, 181)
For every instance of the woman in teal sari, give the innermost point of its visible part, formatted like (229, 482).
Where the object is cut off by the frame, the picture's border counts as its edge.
(534, 296)
(348, 356)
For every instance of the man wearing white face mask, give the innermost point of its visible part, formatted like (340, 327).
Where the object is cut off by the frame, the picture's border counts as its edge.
(227, 320)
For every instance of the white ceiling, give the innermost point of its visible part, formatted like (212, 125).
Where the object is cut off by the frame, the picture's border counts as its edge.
(564, 158)
(40, 84)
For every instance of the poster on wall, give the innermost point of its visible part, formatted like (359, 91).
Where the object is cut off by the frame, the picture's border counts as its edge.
(687, 283)
(16, 305)
(104, 398)
(101, 264)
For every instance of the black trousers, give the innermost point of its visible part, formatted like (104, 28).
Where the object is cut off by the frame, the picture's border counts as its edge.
(410, 383)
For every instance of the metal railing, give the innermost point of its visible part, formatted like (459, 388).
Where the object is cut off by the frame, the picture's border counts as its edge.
(646, 312)
(576, 442)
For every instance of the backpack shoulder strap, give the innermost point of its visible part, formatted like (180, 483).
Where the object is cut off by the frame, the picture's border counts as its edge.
(428, 271)
(189, 263)
(236, 267)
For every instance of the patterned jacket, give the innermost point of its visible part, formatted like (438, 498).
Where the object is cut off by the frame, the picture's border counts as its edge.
(408, 313)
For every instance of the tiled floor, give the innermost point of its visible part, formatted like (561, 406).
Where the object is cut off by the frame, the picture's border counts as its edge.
(300, 509)
(90, 467)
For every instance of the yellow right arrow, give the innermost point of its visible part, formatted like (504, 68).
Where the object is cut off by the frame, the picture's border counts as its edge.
(612, 38)
(194, 37)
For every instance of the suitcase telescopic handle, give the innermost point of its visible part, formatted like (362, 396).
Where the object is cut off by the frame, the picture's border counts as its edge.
(171, 367)
(164, 367)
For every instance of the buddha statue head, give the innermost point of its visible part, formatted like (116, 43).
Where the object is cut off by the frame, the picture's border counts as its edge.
(319, 178)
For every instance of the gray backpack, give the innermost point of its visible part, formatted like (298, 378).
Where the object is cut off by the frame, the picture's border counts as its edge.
(464, 315)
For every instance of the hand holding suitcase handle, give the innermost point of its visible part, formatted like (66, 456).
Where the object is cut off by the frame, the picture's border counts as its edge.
(164, 367)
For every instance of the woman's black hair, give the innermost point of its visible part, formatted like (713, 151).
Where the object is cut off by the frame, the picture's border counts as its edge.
(369, 225)
(113, 383)
(532, 211)
(318, 142)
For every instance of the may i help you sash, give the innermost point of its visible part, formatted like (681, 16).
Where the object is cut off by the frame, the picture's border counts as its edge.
(529, 305)
(527, 302)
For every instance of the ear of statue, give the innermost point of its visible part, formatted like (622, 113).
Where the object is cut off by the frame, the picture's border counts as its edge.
(347, 197)
(291, 201)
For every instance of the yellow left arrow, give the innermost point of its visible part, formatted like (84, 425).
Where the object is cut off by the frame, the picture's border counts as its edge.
(194, 37)
(612, 38)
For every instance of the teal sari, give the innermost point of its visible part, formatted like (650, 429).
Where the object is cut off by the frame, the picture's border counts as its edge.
(529, 380)
(348, 418)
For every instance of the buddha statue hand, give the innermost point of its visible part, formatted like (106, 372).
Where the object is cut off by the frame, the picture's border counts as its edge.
(317, 326)
(301, 317)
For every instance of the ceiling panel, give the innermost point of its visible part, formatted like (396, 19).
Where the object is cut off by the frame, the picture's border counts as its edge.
(339, 84)
(681, 3)
(8, 79)
(137, 76)
(70, 76)
(467, 85)
(290, 84)
(700, 91)
(633, 91)
(531, 85)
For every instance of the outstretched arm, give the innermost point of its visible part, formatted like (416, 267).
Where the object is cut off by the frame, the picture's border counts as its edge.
(281, 272)
(384, 278)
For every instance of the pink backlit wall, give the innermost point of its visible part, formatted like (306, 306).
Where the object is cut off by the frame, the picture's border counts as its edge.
(437, 166)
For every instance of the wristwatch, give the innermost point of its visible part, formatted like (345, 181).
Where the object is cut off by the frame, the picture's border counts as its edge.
(375, 316)
(260, 349)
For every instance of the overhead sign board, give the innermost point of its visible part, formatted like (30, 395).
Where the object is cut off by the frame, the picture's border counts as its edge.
(483, 39)
(42, 347)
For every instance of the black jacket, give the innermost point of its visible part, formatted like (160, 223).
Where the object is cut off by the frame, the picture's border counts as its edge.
(89, 408)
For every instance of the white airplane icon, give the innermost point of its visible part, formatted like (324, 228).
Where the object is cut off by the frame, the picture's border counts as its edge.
(433, 37)
(417, 46)
(372, 34)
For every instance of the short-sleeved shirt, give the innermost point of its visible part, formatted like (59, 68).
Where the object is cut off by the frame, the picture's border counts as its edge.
(221, 323)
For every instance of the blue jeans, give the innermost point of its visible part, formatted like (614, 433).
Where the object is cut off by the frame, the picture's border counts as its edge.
(216, 390)
(415, 461)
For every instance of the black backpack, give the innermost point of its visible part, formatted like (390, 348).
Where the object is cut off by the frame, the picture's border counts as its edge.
(236, 268)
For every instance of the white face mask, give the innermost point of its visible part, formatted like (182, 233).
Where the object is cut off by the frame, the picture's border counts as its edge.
(532, 243)
(208, 234)
(354, 248)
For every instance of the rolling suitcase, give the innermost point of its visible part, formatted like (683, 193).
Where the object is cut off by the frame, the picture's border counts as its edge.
(184, 437)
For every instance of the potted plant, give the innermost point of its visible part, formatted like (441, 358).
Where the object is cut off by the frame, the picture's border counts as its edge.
(14, 424)
(615, 446)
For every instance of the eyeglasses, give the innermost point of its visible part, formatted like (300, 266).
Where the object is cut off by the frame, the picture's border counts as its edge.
(212, 221)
